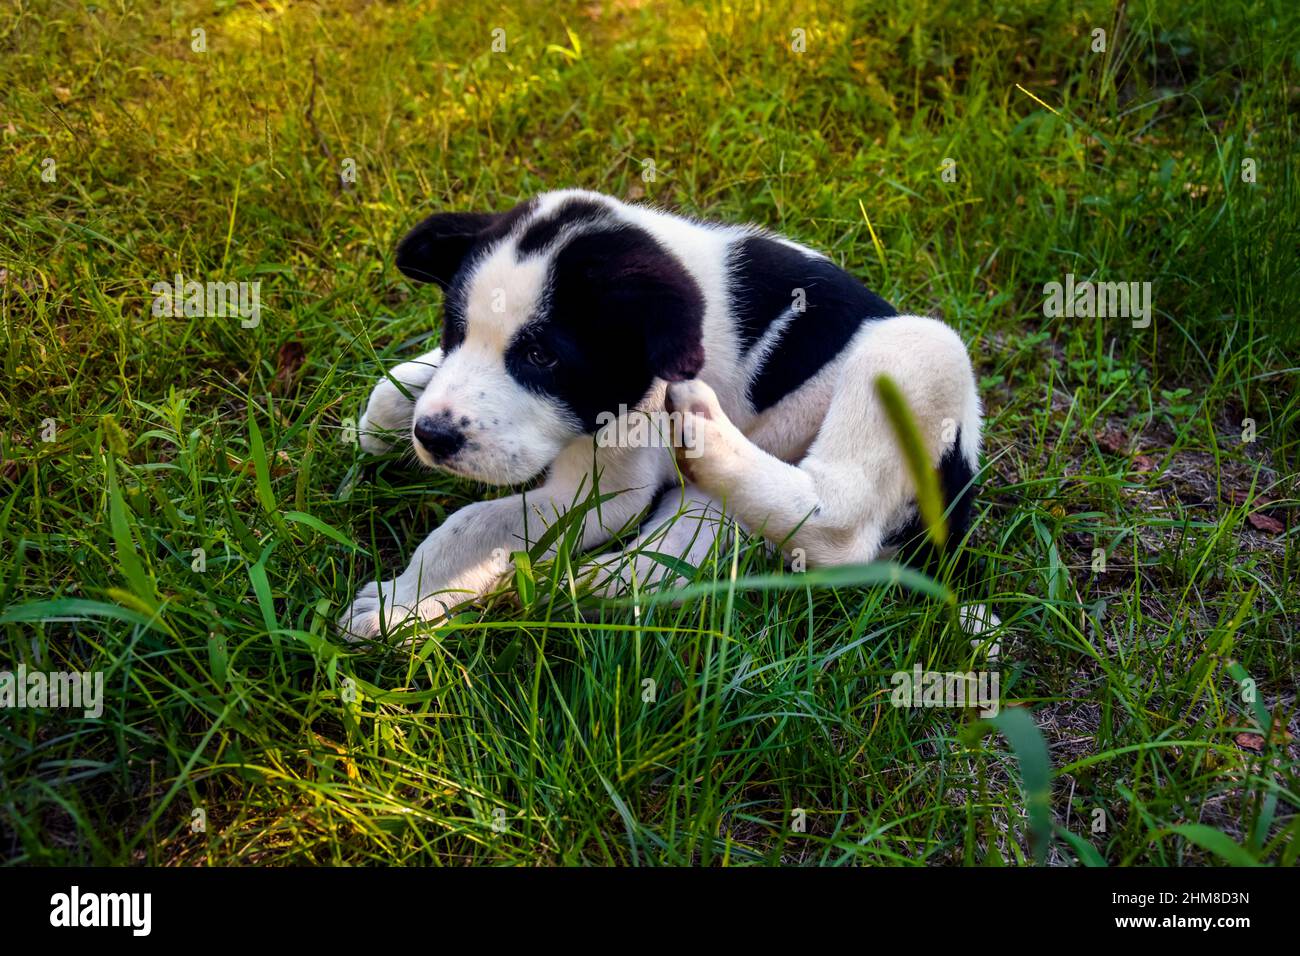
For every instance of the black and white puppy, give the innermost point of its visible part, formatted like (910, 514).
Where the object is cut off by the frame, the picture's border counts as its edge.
(575, 309)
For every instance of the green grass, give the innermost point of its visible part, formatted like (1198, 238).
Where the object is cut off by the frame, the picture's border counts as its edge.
(519, 734)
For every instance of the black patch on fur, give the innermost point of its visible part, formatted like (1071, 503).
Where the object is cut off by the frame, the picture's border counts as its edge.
(505, 222)
(542, 233)
(756, 287)
(763, 276)
(621, 312)
(958, 490)
(435, 250)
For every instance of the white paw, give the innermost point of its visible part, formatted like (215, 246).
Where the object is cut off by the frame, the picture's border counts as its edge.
(390, 409)
(373, 440)
(387, 418)
(694, 397)
(380, 609)
(706, 443)
(979, 619)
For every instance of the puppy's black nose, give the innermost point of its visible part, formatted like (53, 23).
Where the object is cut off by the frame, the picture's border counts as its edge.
(439, 437)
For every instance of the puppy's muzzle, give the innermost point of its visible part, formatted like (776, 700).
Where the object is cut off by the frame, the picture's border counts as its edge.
(439, 436)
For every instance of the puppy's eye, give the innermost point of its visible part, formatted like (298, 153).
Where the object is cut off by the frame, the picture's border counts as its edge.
(538, 356)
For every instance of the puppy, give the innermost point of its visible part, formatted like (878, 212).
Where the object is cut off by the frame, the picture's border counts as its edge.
(573, 313)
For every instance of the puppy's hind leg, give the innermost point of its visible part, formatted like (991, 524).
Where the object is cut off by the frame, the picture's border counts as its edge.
(852, 488)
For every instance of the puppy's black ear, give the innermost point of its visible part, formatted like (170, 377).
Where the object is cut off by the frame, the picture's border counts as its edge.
(675, 350)
(434, 250)
(636, 295)
(672, 312)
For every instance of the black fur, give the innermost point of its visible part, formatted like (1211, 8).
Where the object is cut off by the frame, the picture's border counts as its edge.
(439, 247)
(763, 276)
(621, 312)
(542, 233)
(757, 287)
(435, 250)
(958, 490)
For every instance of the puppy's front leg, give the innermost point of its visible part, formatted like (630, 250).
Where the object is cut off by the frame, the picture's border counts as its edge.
(460, 561)
(389, 412)
(467, 557)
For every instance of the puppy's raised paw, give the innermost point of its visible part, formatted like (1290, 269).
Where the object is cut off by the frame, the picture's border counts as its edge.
(704, 439)
(694, 397)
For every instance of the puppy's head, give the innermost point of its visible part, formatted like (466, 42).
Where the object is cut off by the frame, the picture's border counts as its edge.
(553, 313)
